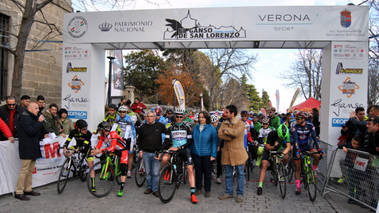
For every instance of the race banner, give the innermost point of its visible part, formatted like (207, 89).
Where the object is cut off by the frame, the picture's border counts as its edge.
(294, 97)
(46, 169)
(179, 92)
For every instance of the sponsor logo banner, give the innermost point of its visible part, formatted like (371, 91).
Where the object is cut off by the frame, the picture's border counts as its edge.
(339, 122)
(69, 68)
(77, 27)
(77, 114)
(341, 69)
(190, 28)
(348, 87)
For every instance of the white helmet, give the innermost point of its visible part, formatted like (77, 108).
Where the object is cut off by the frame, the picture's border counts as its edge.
(179, 110)
(123, 108)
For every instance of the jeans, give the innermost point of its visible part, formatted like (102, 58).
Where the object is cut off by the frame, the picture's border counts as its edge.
(203, 168)
(229, 180)
(152, 167)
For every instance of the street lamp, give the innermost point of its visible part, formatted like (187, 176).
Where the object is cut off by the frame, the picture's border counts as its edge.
(111, 58)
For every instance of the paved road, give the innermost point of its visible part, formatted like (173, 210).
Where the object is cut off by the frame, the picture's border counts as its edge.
(76, 198)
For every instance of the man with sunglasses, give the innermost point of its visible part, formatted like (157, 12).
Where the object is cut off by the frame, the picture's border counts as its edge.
(303, 133)
(179, 138)
(10, 114)
(124, 125)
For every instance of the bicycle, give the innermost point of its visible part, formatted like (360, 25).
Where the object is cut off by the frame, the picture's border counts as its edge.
(290, 168)
(170, 178)
(278, 172)
(140, 172)
(72, 167)
(307, 174)
(106, 171)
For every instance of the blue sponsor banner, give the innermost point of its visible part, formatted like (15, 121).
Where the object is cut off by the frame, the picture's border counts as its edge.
(77, 114)
(339, 122)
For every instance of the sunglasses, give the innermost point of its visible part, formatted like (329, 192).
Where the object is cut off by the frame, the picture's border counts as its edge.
(11, 104)
(179, 116)
(265, 124)
(122, 111)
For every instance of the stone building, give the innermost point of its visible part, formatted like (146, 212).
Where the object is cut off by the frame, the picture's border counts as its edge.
(42, 71)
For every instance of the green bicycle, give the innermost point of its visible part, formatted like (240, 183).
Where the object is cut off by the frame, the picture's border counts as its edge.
(307, 174)
(106, 171)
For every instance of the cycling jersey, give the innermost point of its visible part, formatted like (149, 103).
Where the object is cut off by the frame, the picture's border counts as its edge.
(263, 133)
(112, 143)
(125, 128)
(83, 142)
(110, 118)
(248, 127)
(179, 136)
(303, 135)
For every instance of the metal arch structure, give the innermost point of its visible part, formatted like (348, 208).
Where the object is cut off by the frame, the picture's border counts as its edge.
(340, 31)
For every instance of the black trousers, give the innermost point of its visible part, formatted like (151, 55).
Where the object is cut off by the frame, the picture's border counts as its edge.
(219, 166)
(203, 171)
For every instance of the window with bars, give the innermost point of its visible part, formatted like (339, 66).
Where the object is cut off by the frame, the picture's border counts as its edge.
(4, 43)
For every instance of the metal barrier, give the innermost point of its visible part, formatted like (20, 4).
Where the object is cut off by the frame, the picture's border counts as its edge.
(361, 177)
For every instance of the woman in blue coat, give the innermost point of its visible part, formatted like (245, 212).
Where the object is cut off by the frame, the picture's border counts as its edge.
(204, 150)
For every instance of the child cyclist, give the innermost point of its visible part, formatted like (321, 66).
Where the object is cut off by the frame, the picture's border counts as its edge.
(113, 143)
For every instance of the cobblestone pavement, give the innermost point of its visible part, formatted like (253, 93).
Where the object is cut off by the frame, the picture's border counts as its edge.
(76, 198)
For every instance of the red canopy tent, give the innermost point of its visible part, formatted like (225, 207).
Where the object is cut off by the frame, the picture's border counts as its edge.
(308, 105)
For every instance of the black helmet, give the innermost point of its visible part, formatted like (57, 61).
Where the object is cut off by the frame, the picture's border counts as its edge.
(104, 126)
(112, 106)
(80, 124)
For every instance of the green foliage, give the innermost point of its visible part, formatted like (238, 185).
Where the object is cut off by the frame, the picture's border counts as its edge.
(141, 71)
(265, 98)
(253, 97)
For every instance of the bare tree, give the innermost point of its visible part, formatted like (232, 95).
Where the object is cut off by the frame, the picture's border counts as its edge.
(373, 68)
(306, 73)
(228, 63)
(32, 12)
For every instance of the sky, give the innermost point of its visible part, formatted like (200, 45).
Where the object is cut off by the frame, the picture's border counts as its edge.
(263, 68)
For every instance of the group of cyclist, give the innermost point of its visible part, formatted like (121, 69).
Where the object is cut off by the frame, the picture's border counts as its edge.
(117, 133)
(286, 135)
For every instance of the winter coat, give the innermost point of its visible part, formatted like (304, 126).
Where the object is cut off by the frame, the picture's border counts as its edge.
(30, 132)
(204, 142)
(233, 133)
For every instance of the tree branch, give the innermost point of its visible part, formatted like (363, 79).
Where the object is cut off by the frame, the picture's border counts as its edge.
(42, 5)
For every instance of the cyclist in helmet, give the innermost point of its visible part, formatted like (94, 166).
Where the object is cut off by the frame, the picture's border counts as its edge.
(277, 140)
(303, 133)
(179, 138)
(125, 128)
(262, 138)
(111, 114)
(83, 142)
(113, 143)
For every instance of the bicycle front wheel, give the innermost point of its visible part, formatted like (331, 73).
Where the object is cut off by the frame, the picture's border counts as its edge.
(282, 180)
(312, 190)
(140, 173)
(167, 184)
(103, 181)
(67, 171)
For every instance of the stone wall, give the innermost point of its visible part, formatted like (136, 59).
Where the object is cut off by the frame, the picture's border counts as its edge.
(42, 71)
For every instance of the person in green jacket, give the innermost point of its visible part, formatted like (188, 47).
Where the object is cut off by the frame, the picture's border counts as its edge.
(274, 119)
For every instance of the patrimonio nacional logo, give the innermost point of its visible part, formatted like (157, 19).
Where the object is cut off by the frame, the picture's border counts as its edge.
(189, 28)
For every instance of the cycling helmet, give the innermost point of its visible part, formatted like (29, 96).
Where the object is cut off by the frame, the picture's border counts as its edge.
(104, 126)
(300, 115)
(179, 111)
(244, 113)
(251, 113)
(265, 121)
(122, 109)
(214, 118)
(80, 124)
(283, 132)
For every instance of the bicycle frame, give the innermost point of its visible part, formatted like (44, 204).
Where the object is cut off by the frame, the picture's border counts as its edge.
(105, 174)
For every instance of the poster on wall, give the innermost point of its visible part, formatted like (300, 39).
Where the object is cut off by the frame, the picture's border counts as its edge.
(349, 71)
(118, 74)
(75, 81)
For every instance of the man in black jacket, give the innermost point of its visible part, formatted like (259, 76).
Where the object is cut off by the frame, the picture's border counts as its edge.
(150, 142)
(10, 113)
(30, 132)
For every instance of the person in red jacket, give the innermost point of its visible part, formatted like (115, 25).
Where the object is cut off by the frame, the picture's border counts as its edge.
(113, 143)
(6, 131)
(138, 106)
